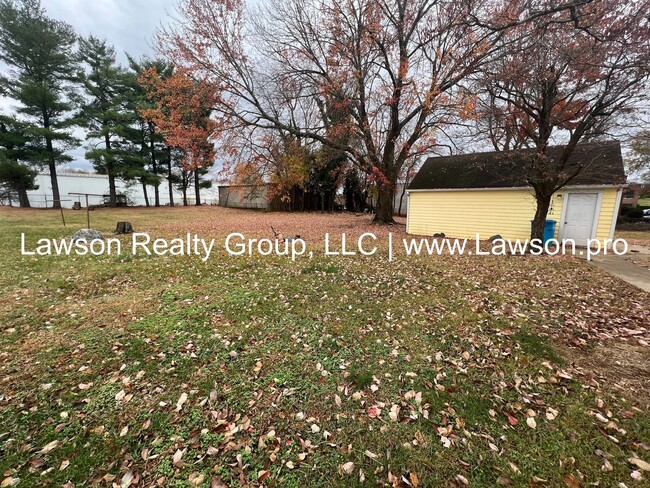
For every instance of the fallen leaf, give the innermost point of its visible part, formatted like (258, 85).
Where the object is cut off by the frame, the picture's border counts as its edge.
(414, 479)
(127, 479)
(196, 479)
(178, 455)
(217, 482)
(374, 411)
(181, 400)
(640, 463)
(571, 481)
(461, 480)
(49, 447)
(371, 455)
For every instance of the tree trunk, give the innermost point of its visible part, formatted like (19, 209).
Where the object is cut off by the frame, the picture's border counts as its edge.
(401, 197)
(23, 199)
(112, 194)
(384, 210)
(144, 191)
(543, 204)
(56, 196)
(169, 177)
(154, 168)
(197, 188)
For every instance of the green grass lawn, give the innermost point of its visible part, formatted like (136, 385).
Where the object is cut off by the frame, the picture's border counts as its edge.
(338, 371)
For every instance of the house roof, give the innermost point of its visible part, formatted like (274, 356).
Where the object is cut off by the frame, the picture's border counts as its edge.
(601, 161)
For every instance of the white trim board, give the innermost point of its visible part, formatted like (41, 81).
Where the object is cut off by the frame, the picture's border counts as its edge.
(617, 209)
(408, 211)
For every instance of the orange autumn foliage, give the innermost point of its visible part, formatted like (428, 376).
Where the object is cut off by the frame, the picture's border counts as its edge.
(183, 114)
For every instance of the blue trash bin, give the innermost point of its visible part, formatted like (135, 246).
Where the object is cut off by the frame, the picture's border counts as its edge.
(549, 230)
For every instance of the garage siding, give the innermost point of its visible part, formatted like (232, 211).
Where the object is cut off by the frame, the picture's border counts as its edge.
(607, 213)
(463, 214)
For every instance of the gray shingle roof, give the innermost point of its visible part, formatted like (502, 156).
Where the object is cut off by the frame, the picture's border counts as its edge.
(602, 164)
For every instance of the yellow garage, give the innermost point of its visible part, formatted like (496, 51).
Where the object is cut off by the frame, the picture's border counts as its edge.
(487, 193)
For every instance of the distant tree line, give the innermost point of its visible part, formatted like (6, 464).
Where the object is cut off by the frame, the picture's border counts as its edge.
(60, 82)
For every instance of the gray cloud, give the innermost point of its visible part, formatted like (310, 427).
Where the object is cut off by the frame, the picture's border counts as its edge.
(127, 24)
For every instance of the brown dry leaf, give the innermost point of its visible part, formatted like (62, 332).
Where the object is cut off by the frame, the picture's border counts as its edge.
(181, 400)
(461, 480)
(196, 479)
(64, 464)
(414, 479)
(640, 463)
(127, 479)
(571, 481)
(178, 455)
(217, 482)
(36, 462)
(9, 482)
(49, 447)
(530, 421)
(347, 468)
(394, 413)
(262, 475)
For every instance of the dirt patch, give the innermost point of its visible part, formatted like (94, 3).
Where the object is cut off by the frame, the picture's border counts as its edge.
(617, 365)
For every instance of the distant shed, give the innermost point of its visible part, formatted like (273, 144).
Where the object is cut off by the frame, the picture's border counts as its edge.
(487, 193)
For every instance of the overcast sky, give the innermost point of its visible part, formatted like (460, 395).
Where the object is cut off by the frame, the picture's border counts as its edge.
(129, 25)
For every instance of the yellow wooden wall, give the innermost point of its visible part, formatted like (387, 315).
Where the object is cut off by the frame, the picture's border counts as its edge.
(462, 214)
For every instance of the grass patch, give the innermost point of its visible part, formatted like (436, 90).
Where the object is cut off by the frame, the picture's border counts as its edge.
(538, 346)
(265, 371)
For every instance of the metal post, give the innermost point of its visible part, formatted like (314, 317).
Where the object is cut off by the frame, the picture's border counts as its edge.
(62, 216)
(87, 212)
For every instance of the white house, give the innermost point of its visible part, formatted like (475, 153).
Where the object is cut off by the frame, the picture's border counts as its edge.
(70, 182)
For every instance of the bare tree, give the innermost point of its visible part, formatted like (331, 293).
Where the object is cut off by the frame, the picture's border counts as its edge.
(562, 82)
(397, 68)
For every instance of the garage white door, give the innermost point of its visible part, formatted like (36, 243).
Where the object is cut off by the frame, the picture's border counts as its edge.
(580, 217)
